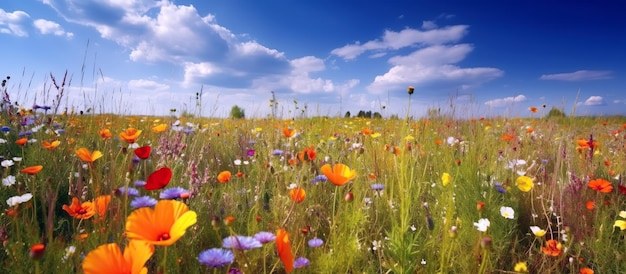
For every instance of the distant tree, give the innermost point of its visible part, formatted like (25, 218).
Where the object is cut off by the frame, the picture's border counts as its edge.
(237, 113)
(368, 114)
(377, 115)
(361, 114)
(555, 112)
(347, 114)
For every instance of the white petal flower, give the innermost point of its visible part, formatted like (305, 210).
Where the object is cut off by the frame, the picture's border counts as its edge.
(482, 224)
(507, 212)
(8, 181)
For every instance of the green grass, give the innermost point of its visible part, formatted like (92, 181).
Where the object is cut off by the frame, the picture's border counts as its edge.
(414, 225)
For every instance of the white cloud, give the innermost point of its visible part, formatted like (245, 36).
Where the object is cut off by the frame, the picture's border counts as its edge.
(147, 85)
(593, 101)
(580, 75)
(50, 27)
(429, 25)
(13, 22)
(505, 101)
(433, 65)
(392, 40)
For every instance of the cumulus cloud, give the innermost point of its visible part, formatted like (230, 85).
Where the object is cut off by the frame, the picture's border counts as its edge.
(51, 27)
(13, 23)
(593, 101)
(392, 40)
(147, 85)
(505, 101)
(433, 65)
(580, 75)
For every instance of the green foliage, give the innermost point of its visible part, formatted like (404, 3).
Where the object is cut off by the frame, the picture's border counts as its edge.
(555, 113)
(237, 113)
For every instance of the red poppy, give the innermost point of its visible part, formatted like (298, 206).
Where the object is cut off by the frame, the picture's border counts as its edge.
(590, 205)
(159, 179)
(533, 109)
(21, 141)
(621, 189)
(601, 185)
(224, 177)
(289, 132)
(143, 152)
(283, 247)
(308, 154)
(32, 170)
(297, 195)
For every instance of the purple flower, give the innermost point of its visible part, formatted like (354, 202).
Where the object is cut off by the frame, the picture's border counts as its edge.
(143, 201)
(378, 187)
(250, 152)
(315, 242)
(131, 192)
(499, 187)
(277, 152)
(174, 193)
(301, 262)
(216, 257)
(241, 242)
(233, 270)
(265, 237)
(5, 129)
(139, 183)
(319, 178)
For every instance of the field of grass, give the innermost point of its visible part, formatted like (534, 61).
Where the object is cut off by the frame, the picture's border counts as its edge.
(108, 193)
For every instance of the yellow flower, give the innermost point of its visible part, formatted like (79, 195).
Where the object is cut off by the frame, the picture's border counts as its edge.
(163, 225)
(108, 258)
(446, 178)
(524, 183)
(520, 267)
(537, 231)
(50, 145)
(375, 135)
(621, 224)
(159, 128)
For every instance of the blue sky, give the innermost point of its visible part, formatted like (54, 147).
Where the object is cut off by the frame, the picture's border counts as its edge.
(484, 58)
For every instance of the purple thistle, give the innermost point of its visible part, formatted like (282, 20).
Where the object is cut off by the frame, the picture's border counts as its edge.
(240, 242)
(216, 257)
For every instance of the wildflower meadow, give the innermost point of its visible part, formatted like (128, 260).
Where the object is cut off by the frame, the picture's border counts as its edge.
(108, 193)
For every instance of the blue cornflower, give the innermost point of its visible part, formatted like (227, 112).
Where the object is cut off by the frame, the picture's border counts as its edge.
(265, 237)
(315, 242)
(301, 262)
(240, 242)
(131, 192)
(143, 201)
(499, 187)
(378, 187)
(5, 129)
(188, 130)
(139, 183)
(216, 257)
(174, 193)
(319, 178)
(277, 152)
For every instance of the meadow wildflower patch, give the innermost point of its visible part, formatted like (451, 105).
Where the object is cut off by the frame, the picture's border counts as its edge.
(102, 193)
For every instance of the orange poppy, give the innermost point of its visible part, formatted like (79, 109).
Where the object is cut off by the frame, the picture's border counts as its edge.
(600, 185)
(289, 132)
(590, 205)
(36, 251)
(533, 109)
(88, 156)
(339, 174)
(308, 154)
(50, 145)
(224, 177)
(80, 211)
(21, 141)
(130, 135)
(366, 131)
(32, 170)
(297, 195)
(101, 204)
(105, 133)
(108, 258)
(507, 137)
(283, 247)
(584, 144)
(552, 248)
(586, 270)
(163, 225)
